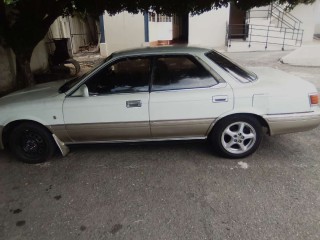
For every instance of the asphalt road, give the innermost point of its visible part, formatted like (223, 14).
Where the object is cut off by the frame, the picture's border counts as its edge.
(177, 190)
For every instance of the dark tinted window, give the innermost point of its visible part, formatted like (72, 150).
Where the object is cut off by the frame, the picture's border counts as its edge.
(124, 76)
(180, 72)
(70, 84)
(235, 70)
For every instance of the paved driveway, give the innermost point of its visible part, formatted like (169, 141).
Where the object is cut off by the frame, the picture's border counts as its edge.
(272, 59)
(169, 190)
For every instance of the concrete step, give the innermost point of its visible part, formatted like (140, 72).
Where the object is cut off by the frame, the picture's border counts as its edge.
(272, 29)
(243, 46)
(258, 21)
(273, 39)
(275, 36)
(265, 30)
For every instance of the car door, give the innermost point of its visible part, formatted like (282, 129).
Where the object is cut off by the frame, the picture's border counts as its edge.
(116, 107)
(186, 98)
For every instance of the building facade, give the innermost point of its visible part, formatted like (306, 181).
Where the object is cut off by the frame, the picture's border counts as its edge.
(212, 29)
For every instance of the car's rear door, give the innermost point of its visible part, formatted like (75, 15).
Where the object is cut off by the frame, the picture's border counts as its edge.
(185, 98)
(117, 106)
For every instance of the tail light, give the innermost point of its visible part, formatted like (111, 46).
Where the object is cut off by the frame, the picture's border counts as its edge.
(314, 99)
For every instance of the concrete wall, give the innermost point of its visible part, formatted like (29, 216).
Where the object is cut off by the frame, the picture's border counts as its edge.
(123, 31)
(209, 29)
(83, 32)
(7, 69)
(39, 63)
(261, 12)
(39, 59)
(317, 17)
(307, 14)
(160, 31)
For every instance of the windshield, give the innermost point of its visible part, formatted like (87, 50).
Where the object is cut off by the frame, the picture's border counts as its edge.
(238, 72)
(70, 84)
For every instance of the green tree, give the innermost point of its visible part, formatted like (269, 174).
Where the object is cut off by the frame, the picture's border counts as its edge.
(24, 23)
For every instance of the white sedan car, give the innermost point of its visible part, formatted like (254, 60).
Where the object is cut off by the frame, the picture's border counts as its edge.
(157, 94)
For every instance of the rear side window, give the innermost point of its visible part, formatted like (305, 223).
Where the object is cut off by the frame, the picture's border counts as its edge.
(180, 72)
(238, 72)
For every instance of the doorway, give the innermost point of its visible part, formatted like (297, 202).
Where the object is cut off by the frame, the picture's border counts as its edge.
(181, 29)
(237, 23)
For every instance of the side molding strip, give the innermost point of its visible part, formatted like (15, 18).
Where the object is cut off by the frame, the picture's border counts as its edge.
(62, 146)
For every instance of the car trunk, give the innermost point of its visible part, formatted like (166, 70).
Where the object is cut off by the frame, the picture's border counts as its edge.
(285, 93)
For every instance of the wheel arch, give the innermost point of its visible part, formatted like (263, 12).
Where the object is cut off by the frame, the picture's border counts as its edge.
(7, 129)
(236, 145)
(261, 120)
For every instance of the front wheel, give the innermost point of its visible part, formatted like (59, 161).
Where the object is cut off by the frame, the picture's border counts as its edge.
(31, 143)
(237, 136)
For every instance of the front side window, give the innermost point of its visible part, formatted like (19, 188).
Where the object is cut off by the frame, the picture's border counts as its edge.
(238, 72)
(70, 84)
(124, 76)
(180, 72)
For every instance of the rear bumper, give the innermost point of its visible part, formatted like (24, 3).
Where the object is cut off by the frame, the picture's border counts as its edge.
(1, 143)
(290, 123)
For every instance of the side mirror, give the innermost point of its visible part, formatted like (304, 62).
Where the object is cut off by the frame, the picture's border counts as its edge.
(82, 91)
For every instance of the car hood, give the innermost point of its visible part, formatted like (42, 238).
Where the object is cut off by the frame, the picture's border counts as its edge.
(38, 93)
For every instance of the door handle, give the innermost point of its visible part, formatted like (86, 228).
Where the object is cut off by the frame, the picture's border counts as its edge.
(219, 99)
(134, 104)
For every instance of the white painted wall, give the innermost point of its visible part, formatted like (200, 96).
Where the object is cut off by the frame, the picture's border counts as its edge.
(123, 31)
(209, 29)
(306, 14)
(39, 59)
(259, 12)
(317, 17)
(39, 63)
(160, 31)
(61, 29)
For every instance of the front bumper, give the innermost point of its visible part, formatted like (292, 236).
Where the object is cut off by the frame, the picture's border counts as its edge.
(290, 123)
(1, 143)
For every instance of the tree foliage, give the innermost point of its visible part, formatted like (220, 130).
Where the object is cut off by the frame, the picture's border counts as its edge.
(23, 23)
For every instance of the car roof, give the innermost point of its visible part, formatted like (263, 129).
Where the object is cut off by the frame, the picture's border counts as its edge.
(161, 50)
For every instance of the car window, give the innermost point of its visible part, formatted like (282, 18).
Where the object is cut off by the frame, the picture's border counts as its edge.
(70, 84)
(180, 72)
(124, 76)
(238, 72)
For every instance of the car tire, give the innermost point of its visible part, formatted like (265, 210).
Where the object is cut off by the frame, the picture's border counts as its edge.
(237, 136)
(31, 143)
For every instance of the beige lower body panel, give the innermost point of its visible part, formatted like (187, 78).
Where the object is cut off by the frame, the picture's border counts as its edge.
(290, 123)
(134, 131)
(108, 131)
(61, 132)
(180, 128)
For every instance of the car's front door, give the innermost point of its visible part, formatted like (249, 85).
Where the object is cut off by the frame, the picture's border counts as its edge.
(185, 98)
(117, 107)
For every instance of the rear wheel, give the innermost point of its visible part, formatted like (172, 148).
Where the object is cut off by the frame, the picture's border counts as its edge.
(237, 136)
(31, 143)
